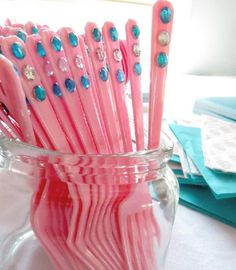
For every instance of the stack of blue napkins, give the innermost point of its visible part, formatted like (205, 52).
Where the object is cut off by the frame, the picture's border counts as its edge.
(201, 188)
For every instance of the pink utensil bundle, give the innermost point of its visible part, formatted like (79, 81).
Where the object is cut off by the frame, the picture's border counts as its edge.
(66, 92)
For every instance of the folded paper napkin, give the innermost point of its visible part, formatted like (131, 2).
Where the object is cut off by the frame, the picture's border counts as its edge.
(222, 185)
(219, 144)
(202, 200)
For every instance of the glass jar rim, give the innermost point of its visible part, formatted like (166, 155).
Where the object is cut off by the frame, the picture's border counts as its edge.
(17, 147)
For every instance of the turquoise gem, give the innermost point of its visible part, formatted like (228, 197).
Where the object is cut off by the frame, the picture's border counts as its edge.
(162, 60)
(18, 51)
(136, 31)
(21, 35)
(97, 35)
(56, 90)
(85, 81)
(166, 15)
(73, 39)
(120, 75)
(39, 93)
(1, 50)
(113, 34)
(40, 49)
(137, 69)
(103, 74)
(56, 44)
(70, 85)
(35, 30)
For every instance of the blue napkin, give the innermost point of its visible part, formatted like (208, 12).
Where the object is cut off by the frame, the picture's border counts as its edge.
(216, 106)
(197, 180)
(201, 199)
(222, 185)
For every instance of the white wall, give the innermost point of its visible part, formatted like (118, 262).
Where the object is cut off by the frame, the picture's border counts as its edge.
(211, 38)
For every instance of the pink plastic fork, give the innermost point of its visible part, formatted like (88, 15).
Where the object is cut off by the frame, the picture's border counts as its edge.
(133, 60)
(161, 32)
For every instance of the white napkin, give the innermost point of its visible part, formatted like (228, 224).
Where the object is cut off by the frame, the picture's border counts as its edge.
(219, 144)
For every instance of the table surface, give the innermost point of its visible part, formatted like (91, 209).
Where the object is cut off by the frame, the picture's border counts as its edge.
(201, 243)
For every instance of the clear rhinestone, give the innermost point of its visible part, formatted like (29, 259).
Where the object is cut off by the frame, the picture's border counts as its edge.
(100, 54)
(79, 62)
(164, 38)
(136, 50)
(117, 55)
(29, 72)
(62, 63)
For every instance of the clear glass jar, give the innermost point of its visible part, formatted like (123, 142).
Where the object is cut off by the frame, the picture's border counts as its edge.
(94, 212)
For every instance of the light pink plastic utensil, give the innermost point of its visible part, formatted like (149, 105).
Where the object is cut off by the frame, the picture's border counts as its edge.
(162, 17)
(114, 58)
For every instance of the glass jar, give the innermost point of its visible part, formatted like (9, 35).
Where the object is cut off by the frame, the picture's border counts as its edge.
(91, 212)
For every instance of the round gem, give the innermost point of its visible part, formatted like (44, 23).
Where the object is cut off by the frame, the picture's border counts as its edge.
(97, 34)
(100, 54)
(18, 51)
(103, 74)
(113, 34)
(79, 62)
(135, 31)
(29, 72)
(63, 64)
(39, 93)
(85, 81)
(137, 69)
(57, 90)
(120, 75)
(162, 60)
(56, 44)
(166, 15)
(164, 38)
(117, 55)
(70, 85)
(40, 49)
(21, 35)
(48, 69)
(73, 39)
(35, 30)
(136, 50)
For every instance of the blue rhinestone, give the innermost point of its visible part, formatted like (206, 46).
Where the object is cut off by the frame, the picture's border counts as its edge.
(18, 51)
(120, 75)
(85, 81)
(1, 50)
(162, 60)
(70, 85)
(56, 90)
(73, 39)
(35, 30)
(166, 15)
(56, 44)
(39, 93)
(21, 35)
(97, 35)
(113, 34)
(40, 49)
(137, 69)
(136, 31)
(103, 74)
